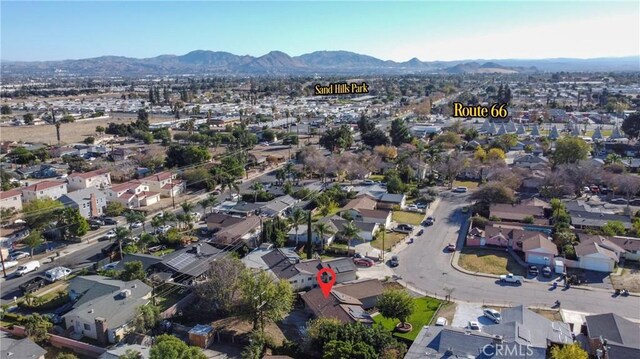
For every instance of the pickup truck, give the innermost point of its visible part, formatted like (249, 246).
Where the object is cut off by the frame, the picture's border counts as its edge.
(32, 285)
(510, 278)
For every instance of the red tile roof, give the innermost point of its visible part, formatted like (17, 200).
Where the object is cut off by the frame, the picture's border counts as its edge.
(10, 193)
(158, 177)
(41, 186)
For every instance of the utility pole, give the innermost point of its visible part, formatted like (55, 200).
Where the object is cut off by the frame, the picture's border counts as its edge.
(4, 272)
(383, 233)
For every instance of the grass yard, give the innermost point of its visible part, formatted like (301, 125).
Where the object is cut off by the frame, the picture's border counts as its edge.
(491, 261)
(407, 217)
(468, 184)
(164, 251)
(425, 308)
(376, 177)
(390, 239)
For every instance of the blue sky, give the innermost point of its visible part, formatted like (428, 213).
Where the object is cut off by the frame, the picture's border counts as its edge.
(388, 30)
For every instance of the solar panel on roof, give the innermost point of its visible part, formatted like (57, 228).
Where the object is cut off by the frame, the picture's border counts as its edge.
(341, 268)
(181, 261)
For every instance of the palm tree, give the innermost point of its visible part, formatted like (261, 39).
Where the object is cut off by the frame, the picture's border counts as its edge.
(187, 207)
(157, 222)
(122, 234)
(613, 158)
(350, 231)
(133, 217)
(256, 187)
(145, 240)
(190, 125)
(281, 175)
(204, 203)
(322, 228)
(297, 218)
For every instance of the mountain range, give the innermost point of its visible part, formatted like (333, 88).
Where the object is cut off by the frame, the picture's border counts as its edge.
(277, 63)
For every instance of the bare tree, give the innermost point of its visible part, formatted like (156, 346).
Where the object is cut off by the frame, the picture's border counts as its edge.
(451, 166)
(219, 291)
(627, 185)
(580, 174)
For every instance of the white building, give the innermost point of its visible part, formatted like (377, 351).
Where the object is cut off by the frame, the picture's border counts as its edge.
(44, 189)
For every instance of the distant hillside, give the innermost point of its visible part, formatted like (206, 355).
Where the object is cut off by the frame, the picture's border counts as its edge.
(205, 62)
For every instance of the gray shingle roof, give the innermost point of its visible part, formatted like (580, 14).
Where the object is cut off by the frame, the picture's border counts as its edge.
(19, 348)
(614, 328)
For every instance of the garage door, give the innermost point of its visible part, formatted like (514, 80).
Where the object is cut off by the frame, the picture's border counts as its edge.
(594, 264)
(537, 259)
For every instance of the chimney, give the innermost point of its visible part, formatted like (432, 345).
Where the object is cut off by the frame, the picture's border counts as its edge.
(93, 205)
(102, 331)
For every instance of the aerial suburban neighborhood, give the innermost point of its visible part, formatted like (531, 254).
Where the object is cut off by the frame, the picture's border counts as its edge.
(327, 205)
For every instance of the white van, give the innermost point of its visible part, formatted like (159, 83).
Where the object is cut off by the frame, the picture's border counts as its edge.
(27, 267)
(56, 273)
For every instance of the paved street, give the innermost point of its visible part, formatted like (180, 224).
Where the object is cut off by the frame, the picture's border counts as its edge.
(426, 266)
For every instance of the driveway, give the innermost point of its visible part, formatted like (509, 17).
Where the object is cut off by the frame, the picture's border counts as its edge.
(425, 266)
(466, 312)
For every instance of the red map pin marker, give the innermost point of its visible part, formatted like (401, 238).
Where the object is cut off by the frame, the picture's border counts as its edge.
(326, 286)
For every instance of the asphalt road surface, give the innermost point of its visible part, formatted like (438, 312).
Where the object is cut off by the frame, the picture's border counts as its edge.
(426, 265)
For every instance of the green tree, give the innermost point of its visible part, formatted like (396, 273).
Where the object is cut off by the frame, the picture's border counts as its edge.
(337, 139)
(37, 327)
(181, 156)
(132, 271)
(217, 294)
(321, 229)
(147, 316)
(374, 138)
(570, 150)
(570, 351)
(147, 138)
(297, 218)
(72, 224)
(114, 209)
(631, 125)
(170, 347)
(396, 304)
(21, 155)
(493, 192)
(39, 213)
(69, 356)
(28, 118)
(100, 130)
(33, 240)
(337, 349)
(394, 183)
(614, 228)
(5, 110)
(134, 217)
(349, 231)
(89, 140)
(399, 132)
(263, 299)
(131, 354)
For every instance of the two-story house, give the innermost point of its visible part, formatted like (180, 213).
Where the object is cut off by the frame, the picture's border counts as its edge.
(11, 199)
(98, 178)
(89, 201)
(132, 194)
(164, 183)
(44, 189)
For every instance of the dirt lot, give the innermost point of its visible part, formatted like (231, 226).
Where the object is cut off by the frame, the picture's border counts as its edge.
(447, 311)
(489, 261)
(629, 279)
(69, 132)
(549, 314)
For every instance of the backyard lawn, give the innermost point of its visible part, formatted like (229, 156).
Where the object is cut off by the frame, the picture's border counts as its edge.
(407, 217)
(468, 184)
(390, 239)
(425, 308)
(491, 261)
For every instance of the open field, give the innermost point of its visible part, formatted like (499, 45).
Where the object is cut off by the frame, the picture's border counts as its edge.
(425, 308)
(69, 132)
(390, 239)
(489, 261)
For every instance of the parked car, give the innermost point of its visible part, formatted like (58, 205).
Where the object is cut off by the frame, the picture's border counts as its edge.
(136, 224)
(163, 229)
(57, 273)
(635, 202)
(111, 265)
(32, 285)
(619, 201)
(429, 221)
(510, 278)
(156, 248)
(97, 222)
(93, 226)
(365, 262)
(27, 268)
(412, 208)
(492, 314)
(110, 222)
(404, 228)
(441, 322)
(473, 325)
(368, 182)
(17, 255)
(451, 247)
(460, 189)
(358, 255)
(546, 271)
(420, 232)
(533, 271)
(394, 262)
(111, 234)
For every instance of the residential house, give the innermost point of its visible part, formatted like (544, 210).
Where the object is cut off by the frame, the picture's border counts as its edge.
(89, 201)
(519, 331)
(366, 231)
(363, 201)
(612, 336)
(391, 201)
(347, 308)
(165, 183)
(594, 220)
(149, 261)
(106, 307)
(299, 235)
(518, 212)
(630, 246)
(44, 189)
(99, 179)
(121, 154)
(245, 209)
(132, 194)
(23, 348)
(247, 231)
(11, 199)
(531, 161)
(594, 256)
(539, 249)
(218, 221)
(278, 206)
(191, 263)
(121, 350)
